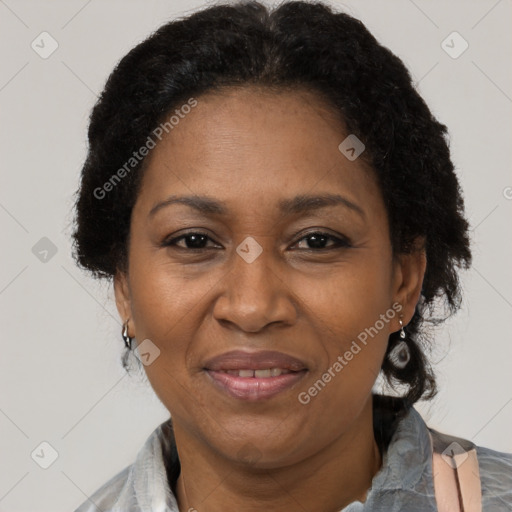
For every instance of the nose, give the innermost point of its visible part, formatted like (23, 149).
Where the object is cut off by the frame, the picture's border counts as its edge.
(255, 292)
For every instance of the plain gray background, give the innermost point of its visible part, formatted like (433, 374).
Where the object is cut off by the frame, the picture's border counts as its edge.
(61, 378)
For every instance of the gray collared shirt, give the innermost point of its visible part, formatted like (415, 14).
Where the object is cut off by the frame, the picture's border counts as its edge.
(404, 482)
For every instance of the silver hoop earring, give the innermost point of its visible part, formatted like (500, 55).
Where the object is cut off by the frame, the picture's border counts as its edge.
(400, 355)
(127, 340)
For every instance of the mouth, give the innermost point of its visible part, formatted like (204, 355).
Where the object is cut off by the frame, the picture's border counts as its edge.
(254, 376)
(258, 374)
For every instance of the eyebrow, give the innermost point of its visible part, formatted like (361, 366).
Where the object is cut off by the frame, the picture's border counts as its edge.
(299, 204)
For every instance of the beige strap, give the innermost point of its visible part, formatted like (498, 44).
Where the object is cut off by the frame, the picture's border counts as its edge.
(456, 477)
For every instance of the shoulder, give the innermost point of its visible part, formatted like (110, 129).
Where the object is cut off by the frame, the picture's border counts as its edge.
(495, 470)
(107, 496)
(496, 477)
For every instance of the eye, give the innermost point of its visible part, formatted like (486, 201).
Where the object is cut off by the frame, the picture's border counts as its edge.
(193, 240)
(318, 240)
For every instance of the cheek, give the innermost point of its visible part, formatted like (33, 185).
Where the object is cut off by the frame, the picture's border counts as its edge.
(353, 297)
(165, 310)
(162, 298)
(353, 317)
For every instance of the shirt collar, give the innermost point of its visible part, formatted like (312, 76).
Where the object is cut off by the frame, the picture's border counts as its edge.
(407, 460)
(149, 476)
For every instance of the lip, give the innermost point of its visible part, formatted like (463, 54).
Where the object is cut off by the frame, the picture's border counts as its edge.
(254, 388)
(241, 360)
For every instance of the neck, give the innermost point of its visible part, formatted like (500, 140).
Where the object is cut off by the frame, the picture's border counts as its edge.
(325, 482)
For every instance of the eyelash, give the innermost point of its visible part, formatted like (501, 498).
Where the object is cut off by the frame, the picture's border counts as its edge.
(340, 243)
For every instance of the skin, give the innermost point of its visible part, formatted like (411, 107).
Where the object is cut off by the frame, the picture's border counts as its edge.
(251, 148)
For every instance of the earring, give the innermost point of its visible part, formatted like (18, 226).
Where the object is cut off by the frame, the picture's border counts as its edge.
(402, 331)
(127, 340)
(400, 355)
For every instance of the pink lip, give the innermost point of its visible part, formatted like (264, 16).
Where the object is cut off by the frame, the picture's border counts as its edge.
(242, 360)
(253, 388)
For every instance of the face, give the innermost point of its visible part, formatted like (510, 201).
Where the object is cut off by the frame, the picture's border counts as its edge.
(256, 264)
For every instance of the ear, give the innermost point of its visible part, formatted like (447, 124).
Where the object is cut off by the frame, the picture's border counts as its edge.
(408, 273)
(123, 298)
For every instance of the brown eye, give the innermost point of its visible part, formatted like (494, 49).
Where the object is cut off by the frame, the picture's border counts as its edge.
(318, 240)
(193, 240)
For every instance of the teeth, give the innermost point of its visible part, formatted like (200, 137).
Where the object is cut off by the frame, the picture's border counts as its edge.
(262, 373)
(259, 374)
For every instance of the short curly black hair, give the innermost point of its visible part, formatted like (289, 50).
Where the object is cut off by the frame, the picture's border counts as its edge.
(297, 45)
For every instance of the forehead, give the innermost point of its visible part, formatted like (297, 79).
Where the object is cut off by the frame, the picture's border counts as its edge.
(251, 143)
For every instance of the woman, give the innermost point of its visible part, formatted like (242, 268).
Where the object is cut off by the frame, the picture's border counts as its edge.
(278, 211)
